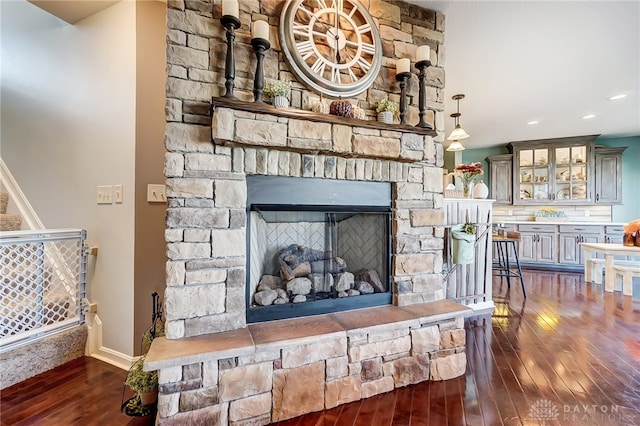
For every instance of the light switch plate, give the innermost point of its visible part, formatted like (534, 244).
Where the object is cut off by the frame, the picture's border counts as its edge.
(156, 193)
(117, 194)
(104, 194)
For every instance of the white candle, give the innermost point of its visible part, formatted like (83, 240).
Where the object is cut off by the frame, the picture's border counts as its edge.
(403, 65)
(231, 7)
(423, 53)
(260, 30)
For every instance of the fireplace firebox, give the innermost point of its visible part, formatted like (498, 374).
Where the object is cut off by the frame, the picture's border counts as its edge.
(316, 246)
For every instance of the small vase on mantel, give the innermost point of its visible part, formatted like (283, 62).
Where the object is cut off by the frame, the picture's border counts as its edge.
(281, 102)
(385, 117)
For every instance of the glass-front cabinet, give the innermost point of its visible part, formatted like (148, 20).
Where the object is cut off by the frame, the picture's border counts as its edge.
(554, 171)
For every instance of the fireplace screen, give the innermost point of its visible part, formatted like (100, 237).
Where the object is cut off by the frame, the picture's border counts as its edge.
(307, 259)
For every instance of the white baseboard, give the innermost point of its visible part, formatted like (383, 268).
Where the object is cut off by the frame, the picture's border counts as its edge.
(95, 349)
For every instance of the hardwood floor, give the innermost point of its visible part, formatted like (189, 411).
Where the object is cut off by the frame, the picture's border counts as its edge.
(567, 355)
(84, 391)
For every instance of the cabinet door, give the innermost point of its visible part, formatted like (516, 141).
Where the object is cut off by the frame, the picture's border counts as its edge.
(573, 175)
(569, 249)
(501, 178)
(588, 239)
(527, 249)
(533, 176)
(547, 248)
(609, 175)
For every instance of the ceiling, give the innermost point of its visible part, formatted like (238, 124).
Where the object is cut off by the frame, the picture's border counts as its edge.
(73, 11)
(547, 61)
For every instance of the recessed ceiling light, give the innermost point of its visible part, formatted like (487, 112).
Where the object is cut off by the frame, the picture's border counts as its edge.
(616, 97)
(586, 117)
(533, 122)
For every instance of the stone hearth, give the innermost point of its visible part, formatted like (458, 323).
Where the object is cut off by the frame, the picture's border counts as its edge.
(213, 368)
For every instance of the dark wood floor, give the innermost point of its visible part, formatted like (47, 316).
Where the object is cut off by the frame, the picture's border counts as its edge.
(567, 355)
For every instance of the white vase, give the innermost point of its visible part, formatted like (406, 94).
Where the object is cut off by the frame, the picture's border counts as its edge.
(281, 102)
(480, 190)
(385, 117)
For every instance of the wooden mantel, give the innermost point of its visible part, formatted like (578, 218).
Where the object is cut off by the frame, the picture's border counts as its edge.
(263, 108)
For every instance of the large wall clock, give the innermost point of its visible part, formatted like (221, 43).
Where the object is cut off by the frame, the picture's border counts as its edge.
(331, 46)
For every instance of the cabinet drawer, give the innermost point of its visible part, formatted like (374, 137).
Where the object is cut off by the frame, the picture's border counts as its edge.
(537, 228)
(613, 229)
(581, 229)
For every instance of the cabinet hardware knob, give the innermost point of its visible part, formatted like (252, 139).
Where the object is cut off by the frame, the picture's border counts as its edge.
(597, 197)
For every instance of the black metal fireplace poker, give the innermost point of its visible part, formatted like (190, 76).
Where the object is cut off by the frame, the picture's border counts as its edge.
(422, 77)
(402, 78)
(260, 46)
(230, 23)
(157, 312)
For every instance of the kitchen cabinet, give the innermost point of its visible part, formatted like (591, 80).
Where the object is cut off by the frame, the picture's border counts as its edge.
(609, 175)
(501, 170)
(553, 171)
(538, 244)
(570, 238)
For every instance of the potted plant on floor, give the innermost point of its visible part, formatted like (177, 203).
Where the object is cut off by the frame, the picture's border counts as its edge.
(278, 91)
(386, 110)
(144, 383)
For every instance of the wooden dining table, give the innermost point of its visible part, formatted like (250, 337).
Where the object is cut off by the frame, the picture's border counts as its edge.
(609, 251)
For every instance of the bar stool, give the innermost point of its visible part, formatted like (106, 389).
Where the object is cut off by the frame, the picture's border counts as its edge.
(503, 263)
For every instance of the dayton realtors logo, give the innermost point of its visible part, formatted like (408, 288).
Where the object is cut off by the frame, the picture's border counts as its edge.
(544, 410)
(601, 414)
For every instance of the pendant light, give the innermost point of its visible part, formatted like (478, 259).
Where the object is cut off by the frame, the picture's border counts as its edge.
(455, 146)
(458, 132)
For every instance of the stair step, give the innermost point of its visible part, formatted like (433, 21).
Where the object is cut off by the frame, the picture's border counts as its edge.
(10, 222)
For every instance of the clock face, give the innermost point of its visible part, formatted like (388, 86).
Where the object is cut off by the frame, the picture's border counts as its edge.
(332, 46)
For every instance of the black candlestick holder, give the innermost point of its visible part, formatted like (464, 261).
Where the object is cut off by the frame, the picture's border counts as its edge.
(402, 78)
(260, 46)
(230, 23)
(422, 97)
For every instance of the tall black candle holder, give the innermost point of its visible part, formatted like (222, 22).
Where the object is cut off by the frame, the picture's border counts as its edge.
(422, 101)
(260, 46)
(402, 78)
(230, 23)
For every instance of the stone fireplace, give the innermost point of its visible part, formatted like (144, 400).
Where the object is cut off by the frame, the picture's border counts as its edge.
(216, 364)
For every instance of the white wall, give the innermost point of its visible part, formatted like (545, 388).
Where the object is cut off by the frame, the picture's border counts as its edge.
(67, 125)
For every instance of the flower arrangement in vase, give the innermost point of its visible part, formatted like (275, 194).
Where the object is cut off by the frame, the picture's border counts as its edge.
(278, 91)
(386, 110)
(468, 174)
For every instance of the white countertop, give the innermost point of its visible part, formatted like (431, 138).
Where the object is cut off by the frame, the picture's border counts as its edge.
(559, 222)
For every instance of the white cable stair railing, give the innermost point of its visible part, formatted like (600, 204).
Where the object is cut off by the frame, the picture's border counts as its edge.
(42, 284)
